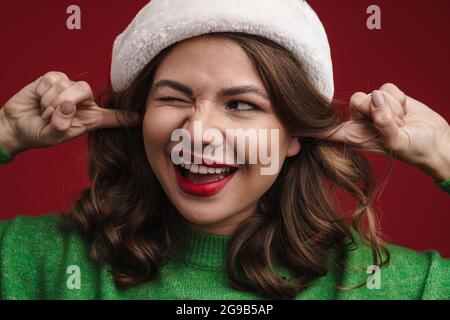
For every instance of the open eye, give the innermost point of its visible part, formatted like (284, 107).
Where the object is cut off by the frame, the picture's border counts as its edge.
(241, 106)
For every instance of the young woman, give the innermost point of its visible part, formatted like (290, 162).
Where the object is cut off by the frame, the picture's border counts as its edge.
(151, 228)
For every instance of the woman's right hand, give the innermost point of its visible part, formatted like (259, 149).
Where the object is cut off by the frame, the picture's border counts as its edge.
(51, 110)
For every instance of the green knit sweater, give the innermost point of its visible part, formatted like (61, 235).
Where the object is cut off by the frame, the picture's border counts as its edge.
(40, 258)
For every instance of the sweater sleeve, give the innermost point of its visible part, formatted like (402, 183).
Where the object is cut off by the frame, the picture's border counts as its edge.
(31, 249)
(410, 275)
(444, 185)
(437, 285)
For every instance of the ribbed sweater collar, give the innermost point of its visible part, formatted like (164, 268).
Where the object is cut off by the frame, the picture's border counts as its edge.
(204, 250)
(209, 251)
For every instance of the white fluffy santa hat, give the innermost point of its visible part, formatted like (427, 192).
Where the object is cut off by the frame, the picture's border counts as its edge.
(161, 23)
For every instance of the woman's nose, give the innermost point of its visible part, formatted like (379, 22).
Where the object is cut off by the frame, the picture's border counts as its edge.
(204, 117)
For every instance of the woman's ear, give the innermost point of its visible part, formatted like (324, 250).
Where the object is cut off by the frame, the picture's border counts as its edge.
(294, 146)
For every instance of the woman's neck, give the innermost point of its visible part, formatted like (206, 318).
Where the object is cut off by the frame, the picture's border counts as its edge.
(226, 226)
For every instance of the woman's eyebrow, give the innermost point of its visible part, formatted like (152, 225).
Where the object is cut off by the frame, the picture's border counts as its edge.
(174, 85)
(233, 91)
(222, 93)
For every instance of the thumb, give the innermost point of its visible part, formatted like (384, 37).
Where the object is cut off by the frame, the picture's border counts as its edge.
(384, 119)
(61, 121)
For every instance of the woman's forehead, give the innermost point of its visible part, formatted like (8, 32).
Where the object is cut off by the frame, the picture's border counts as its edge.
(208, 59)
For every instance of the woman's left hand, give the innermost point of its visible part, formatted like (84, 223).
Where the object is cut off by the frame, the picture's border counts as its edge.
(390, 122)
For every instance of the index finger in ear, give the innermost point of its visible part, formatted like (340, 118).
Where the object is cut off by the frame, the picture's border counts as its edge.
(112, 118)
(337, 134)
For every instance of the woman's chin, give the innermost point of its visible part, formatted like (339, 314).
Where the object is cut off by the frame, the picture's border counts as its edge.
(203, 216)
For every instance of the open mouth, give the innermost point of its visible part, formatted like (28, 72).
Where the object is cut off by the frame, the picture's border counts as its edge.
(200, 174)
(203, 180)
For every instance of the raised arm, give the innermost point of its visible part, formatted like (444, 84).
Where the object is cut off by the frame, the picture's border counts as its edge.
(52, 110)
(390, 122)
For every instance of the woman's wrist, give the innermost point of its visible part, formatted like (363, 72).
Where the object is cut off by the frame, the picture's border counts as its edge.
(8, 141)
(437, 165)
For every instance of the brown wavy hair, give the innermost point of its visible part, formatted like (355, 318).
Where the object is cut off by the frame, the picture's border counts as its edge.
(131, 224)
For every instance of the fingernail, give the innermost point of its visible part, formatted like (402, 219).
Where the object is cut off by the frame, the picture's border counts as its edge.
(67, 108)
(378, 99)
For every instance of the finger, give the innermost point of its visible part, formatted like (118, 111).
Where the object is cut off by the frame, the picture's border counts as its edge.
(47, 80)
(113, 118)
(384, 119)
(61, 121)
(48, 113)
(53, 92)
(395, 92)
(337, 134)
(359, 106)
(79, 92)
(395, 106)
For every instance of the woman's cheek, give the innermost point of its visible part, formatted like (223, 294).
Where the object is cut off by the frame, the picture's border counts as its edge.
(158, 126)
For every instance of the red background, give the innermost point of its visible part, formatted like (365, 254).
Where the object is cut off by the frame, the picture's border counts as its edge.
(411, 50)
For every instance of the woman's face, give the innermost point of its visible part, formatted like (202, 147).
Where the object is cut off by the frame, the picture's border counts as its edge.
(209, 82)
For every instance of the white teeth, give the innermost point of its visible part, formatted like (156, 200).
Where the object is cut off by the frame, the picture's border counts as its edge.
(195, 168)
(211, 170)
(186, 166)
